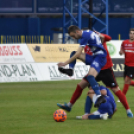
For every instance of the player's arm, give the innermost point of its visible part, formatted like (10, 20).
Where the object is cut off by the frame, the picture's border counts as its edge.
(121, 52)
(104, 37)
(77, 54)
(100, 35)
(113, 113)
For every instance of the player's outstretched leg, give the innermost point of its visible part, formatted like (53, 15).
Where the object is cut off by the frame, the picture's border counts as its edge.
(100, 99)
(123, 100)
(129, 113)
(69, 71)
(64, 106)
(132, 83)
(88, 105)
(93, 117)
(77, 93)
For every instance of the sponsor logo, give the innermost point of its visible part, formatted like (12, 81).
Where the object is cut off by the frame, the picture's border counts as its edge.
(62, 49)
(17, 72)
(10, 50)
(51, 52)
(96, 64)
(36, 48)
(79, 72)
(129, 44)
(111, 48)
(118, 67)
(131, 75)
(113, 84)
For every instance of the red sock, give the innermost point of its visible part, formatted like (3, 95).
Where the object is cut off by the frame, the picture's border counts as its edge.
(132, 83)
(122, 99)
(124, 91)
(77, 93)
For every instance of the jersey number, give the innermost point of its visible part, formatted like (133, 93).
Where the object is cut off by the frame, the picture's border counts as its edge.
(96, 37)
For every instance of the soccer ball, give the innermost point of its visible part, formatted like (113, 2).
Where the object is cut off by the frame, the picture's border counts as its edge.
(60, 115)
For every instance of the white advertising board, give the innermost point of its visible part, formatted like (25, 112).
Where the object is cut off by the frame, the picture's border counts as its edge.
(15, 53)
(50, 71)
(18, 65)
(114, 48)
(20, 72)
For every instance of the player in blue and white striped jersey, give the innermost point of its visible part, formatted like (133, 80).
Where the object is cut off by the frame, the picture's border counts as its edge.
(96, 61)
(104, 111)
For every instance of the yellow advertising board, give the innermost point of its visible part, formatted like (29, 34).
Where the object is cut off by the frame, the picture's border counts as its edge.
(52, 52)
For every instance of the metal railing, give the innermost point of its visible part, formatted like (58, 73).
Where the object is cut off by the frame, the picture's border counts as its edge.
(25, 39)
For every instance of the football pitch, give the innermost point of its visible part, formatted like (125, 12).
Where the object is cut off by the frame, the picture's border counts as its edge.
(27, 108)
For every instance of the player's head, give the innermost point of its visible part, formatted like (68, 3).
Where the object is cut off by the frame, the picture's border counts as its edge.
(131, 34)
(75, 32)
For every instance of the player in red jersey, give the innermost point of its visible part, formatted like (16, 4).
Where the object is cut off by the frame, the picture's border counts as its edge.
(127, 48)
(106, 75)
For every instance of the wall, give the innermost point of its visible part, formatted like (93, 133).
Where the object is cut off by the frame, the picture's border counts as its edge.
(43, 26)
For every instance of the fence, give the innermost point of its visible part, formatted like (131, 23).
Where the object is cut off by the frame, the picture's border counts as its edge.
(25, 39)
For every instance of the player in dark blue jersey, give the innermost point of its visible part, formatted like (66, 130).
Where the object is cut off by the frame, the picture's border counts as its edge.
(96, 61)
(105, 110)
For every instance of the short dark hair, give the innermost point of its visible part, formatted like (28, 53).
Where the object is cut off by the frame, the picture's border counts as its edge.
(73, 28)
(131, 29)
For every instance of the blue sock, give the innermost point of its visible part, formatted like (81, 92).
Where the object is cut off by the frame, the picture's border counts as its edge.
(88, 105)
(92, 117)
(94, 84)
(72, 64)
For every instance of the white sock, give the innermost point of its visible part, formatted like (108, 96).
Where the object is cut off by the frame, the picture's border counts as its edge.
(69, 104)
(129, 111)
(95, 97)
(98, 96)
(101, 115)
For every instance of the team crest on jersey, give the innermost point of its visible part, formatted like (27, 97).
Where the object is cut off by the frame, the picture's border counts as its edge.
(96, 63)
(131, 75)
(113, 84)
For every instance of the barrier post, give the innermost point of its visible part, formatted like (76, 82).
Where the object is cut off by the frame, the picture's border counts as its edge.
(119, 36)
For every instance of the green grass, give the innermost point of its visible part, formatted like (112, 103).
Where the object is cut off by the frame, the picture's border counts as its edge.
(27, 108)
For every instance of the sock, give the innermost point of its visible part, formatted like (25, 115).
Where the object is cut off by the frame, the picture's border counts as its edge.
(88, 105)
(77, 93)
(122, 99)
(125, 88)
(69, 104)
(92, 117)
(94, 84)
(132, 83)
(72, 64)
(129, 111)
(95, 97)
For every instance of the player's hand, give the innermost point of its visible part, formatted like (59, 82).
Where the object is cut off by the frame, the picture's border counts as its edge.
(120, 53)
(96, 32)
(61, 64)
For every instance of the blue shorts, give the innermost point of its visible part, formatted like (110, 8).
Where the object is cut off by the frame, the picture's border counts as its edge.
(97, 62)
(107, 107)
